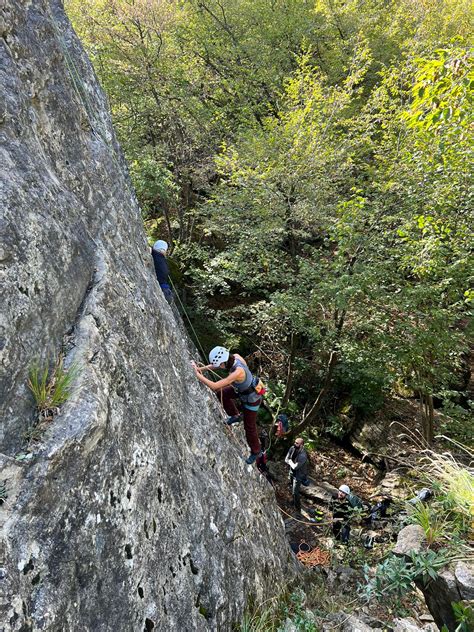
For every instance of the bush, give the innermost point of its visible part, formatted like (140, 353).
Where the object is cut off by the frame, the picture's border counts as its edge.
(394, 577)
(364, 384)
(275, 614)
(455, 481)
(52, 389)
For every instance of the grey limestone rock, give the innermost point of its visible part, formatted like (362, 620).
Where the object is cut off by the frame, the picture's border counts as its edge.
(408, 624)
(320, 491)
(410, 540)
(137, 512)
(347, 623)
(440, 593)
(453, 584)
(464, 574)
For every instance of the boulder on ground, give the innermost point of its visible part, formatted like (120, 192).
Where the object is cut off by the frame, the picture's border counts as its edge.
(464, 574)
(320, 491)
(411, 539)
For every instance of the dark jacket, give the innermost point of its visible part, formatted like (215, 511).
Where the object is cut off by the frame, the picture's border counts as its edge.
(298, 456)
(342, 508)
(161, 267)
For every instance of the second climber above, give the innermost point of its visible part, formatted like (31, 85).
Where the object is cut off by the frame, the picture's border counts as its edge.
(239, 384)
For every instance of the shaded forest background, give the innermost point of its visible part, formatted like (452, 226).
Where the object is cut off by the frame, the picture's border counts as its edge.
(310, 162)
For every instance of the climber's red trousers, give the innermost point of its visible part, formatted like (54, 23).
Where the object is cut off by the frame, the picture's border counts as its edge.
(228, 396)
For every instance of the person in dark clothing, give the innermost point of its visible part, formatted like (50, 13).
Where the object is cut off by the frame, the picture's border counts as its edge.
(158, 252)
(379, 510)
(261, 461)
(297, 459)
(341, 512)
(282, 425)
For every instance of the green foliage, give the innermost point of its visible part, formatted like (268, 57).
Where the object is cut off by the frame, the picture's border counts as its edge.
(455, 481)
(456, 422)
(311, 163)
(448, 518)
(394, 577)
(364, 383)
(434, 523)
(274, 615)
(296, 613)
(464, 615)
(154, 184)
(52, 388)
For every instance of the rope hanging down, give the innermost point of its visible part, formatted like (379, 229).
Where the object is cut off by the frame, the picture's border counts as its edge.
(81, 92)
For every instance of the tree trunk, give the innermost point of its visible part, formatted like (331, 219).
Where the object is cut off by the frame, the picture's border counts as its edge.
(430, 420)
(314, 410)
(427, 417)
(290, 374)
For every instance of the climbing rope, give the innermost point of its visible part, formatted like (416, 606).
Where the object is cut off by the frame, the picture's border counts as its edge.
(203, 355)
(311, 524)
(213, 373)
(312, 557)
(81, 92)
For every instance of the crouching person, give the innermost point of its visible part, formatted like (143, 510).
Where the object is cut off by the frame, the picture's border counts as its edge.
(341, 513)
(297, 460)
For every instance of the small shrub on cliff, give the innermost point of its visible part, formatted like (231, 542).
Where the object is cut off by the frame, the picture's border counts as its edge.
(51, 388)
(455, 480)
(435, 524)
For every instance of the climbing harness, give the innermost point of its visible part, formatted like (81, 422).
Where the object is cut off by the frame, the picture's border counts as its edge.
(256, 386)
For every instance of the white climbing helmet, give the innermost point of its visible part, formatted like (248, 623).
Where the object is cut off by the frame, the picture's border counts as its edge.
(218, 355)
(345, 489)
(160, 245)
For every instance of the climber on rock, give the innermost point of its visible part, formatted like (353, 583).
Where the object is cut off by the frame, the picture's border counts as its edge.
(159, 250)
(240, 385)
(342, 507)
(297, 460)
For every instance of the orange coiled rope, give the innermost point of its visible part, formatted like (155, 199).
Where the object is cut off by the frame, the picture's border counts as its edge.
(313, 557)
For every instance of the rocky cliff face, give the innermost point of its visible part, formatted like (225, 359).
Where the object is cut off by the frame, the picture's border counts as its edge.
(138, 511)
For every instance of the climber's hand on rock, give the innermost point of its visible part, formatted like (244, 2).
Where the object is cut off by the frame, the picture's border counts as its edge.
(197, 370)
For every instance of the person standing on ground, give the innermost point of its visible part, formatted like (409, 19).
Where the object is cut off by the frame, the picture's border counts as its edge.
(341, 512)
(239, 384)
(159, 250)
(297, 460)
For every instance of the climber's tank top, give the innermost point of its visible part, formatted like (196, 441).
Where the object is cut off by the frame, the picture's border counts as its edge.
(244, 389)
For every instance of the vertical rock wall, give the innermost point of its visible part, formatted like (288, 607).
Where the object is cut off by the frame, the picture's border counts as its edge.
(138, 511)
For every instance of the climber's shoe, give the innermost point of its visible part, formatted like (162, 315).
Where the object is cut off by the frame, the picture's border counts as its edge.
(233, 420)
(252, 458)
